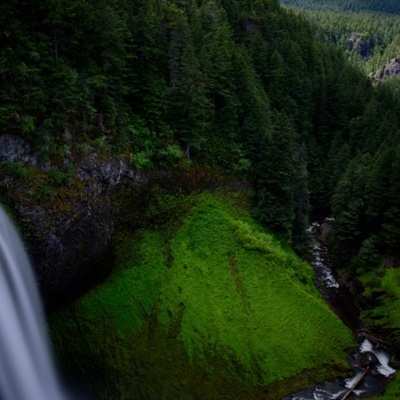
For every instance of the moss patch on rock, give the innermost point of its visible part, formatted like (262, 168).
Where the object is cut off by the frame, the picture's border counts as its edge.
(215, 308)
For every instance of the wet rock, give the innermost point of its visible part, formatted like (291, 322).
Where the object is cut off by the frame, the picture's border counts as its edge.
(15, 149)
(68, 233)
(360, 361)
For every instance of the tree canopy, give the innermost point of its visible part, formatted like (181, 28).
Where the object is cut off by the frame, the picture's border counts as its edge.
(245, 87)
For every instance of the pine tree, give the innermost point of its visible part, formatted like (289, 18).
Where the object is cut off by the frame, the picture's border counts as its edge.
(276, 182)
(190, 109)
(349, 205)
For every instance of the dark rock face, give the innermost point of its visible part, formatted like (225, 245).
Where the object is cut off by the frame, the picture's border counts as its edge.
(15, 149)
(360, 44)
(68, 235)
(76, 251)
(390, 70)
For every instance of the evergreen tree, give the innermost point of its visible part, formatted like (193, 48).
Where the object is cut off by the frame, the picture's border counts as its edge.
(349, 205)
(190, 106)
(276, 182)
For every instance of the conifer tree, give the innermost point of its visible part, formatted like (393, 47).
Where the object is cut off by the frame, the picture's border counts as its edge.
(190, 109)
(349, 205)
(276, 184)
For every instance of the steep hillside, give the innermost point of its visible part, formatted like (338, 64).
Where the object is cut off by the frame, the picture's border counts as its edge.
(241, 87)
(369, 38)
(354, 6)
(210, 307)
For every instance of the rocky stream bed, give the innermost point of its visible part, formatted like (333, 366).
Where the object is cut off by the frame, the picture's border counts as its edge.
(371, 363)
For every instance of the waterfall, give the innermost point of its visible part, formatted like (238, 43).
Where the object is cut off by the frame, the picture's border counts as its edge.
(383, 358)
(26, 367)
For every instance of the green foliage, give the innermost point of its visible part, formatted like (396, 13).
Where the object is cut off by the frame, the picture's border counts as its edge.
(349, 208)
(213, 81)
(368, 38)
(354, 6)
(170, 156)
(278, 190)
(62, 176)
(141, 160)
(28, 126)
(17, 169)
(141, 138)
(383, 293)
(46, 192)
(369, 254)
(216, 296)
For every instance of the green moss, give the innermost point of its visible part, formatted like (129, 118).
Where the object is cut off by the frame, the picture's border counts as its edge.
(129, 295)
(219, 310)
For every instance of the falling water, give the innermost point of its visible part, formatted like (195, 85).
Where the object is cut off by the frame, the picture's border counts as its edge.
(26, 367)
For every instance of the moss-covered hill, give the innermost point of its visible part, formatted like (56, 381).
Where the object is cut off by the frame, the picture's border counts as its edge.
(212, 307)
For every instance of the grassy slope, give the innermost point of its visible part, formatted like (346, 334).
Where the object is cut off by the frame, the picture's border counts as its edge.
(217, 309)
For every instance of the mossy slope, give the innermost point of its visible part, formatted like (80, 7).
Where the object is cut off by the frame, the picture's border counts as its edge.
(218, 309)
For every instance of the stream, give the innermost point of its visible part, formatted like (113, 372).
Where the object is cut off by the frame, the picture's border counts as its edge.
(370, 363)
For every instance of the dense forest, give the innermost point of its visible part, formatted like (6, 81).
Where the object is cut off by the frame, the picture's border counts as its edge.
(244, 89)
(240, 86)
(352, 6)
(368, 39)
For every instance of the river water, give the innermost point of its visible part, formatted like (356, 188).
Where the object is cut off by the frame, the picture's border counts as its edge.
(371, 363)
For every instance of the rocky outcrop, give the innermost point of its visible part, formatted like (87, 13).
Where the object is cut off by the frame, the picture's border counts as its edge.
(360, 44)
(67, 234)
(15, 149)
(390, 70)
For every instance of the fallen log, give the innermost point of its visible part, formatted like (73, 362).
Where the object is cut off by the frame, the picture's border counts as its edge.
(373, 338)
(355, 384)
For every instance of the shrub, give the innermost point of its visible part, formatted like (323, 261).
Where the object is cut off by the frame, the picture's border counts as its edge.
(17, 169)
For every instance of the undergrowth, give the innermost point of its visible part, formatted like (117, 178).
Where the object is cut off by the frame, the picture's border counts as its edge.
(382, 291)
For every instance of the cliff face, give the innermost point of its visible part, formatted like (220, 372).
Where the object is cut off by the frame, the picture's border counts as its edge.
(360, 44)
(65, 213)
(390, 70)
(67, 209)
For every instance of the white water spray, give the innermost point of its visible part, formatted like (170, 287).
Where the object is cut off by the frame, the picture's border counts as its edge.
(383, 367)
(323, 271)
(26, 366)
(362, 384)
